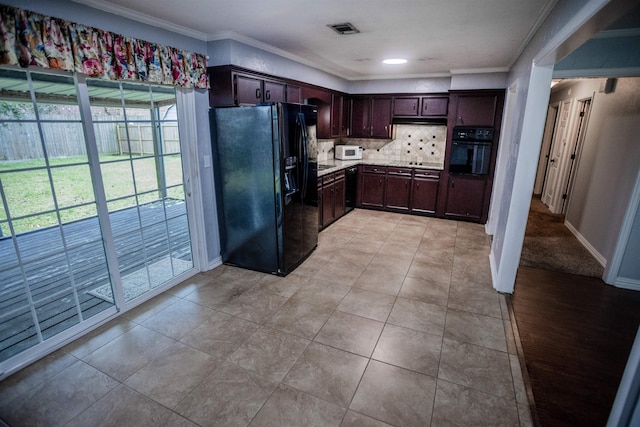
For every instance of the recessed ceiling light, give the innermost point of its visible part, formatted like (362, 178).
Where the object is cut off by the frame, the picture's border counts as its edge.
(395, 61)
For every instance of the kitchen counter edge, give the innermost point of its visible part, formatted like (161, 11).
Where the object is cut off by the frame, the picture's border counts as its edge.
(336, 165)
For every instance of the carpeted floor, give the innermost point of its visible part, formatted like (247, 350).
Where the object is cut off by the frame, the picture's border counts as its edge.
(549, 245)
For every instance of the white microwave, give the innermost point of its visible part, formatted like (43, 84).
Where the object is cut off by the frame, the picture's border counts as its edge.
(347, 152)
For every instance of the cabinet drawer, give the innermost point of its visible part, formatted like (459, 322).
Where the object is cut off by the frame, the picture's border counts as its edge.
(328, 179)
(426, 173)
(333, 176)
(374, 169)
(391, 170)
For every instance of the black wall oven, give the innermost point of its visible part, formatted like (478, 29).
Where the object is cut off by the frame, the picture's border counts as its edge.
(471, 150)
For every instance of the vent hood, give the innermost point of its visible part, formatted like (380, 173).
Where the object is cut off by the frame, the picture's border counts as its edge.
(419, 121)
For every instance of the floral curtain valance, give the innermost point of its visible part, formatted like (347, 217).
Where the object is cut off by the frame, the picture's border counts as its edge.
(31, 39)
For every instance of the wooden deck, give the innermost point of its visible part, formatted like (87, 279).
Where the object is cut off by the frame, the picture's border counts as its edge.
(48, 271)
(576, 334)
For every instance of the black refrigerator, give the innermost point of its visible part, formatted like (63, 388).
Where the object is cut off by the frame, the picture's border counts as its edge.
(265, 170)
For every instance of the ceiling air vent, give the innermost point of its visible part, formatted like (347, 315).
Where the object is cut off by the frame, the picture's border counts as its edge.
(344, 28)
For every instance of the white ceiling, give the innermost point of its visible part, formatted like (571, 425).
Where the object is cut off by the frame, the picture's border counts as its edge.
(438, 37)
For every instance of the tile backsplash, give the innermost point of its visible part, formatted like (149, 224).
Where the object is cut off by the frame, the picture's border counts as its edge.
(325, 149)
(411, 144)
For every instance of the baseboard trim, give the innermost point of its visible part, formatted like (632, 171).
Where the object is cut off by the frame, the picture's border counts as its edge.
(494, 270)
(597, 255)
(214, 263)
(626, 283)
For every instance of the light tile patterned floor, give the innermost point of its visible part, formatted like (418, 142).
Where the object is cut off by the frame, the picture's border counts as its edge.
(391, 321)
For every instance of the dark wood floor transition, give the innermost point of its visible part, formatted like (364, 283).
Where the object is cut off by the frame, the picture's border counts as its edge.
(576, 334)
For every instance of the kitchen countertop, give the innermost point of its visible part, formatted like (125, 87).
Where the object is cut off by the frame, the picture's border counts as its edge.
(332, 165)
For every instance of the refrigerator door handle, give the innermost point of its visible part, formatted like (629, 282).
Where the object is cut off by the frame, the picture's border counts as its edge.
(305, 154)
(278, 212)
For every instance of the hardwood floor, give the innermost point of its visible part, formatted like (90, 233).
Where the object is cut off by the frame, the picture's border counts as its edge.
(576, 334)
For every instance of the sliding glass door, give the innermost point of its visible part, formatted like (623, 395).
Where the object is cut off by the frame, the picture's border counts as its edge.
(93, 212)
(143, 183)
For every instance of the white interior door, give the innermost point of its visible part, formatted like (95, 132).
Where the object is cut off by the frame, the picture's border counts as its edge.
(545, 151)
(552, 191)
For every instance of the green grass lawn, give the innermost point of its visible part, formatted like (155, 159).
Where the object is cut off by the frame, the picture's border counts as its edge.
(30, 193)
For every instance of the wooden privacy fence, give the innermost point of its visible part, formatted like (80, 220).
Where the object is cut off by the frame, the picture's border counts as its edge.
(140, 139)
(21, 141)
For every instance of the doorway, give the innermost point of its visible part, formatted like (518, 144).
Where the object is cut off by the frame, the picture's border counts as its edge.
(565, 129)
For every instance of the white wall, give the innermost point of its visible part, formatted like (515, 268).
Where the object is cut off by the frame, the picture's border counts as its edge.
(608, 163)
(630, 267)
(531, 76)
(414, 85)
(225, 52)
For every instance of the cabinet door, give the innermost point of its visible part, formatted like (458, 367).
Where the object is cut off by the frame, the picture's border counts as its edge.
(293, 94)
(248, 90)
(476, 110)
(465, 197)
(274, 92)
(336, 115)
(328, 204)
(435, 106)
(320, 204)
(324, 120)
(339, 195)
(381, 117)
(424, 195)
(406, 106)
(372, 190)
(360, 117)
(346, 118)
(397, 194)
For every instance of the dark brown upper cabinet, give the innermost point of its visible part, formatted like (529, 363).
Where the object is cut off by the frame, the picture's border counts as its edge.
(406, 106)
(232, 87)
(371, 117)
(294, 94)
(381, 117)
(336, 115)
(474, 108)
(420, 106)
(434, 106)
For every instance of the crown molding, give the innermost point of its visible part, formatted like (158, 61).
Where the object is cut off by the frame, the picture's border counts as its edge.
(621, 33)
(480, 70)
(232, 35)
(143, 18)
(402, 76)
(542, 16)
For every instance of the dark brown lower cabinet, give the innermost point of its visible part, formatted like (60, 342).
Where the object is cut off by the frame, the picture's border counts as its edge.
(424, 194)
(465, 197)
(398, 189)
(372, 186)
(332, 198)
